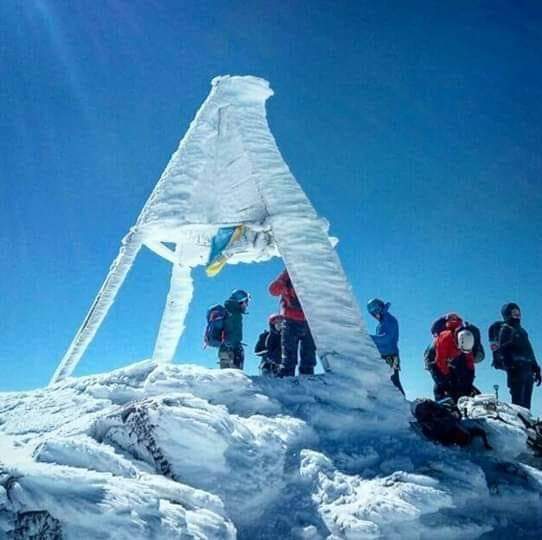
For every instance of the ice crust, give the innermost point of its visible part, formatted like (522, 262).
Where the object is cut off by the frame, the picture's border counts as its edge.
(181, 451)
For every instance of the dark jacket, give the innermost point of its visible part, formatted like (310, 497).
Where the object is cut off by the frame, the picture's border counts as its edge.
(268, 345)
(290, 306)
(233, 324)
(515, 346)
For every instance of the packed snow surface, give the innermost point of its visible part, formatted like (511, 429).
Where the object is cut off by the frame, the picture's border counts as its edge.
(181, 451)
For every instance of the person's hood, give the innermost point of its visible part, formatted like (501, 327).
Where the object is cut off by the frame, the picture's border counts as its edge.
(506, 310)
(273, 330)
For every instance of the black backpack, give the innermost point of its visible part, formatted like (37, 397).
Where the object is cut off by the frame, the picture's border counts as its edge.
(534, 433)
(430, 357)
(442, 423)
(438, 326)
(493, 334)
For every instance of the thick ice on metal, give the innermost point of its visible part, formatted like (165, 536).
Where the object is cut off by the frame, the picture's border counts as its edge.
(228, 170)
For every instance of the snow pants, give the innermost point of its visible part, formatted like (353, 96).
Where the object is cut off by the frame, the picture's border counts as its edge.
(296, 336)
(520, 381)
(461, 381)
(442, 386)
(231, 356)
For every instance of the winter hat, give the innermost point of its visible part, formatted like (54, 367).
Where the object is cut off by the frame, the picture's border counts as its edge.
(377, 306)
(238, 295)
(506, 310)
(275, 318)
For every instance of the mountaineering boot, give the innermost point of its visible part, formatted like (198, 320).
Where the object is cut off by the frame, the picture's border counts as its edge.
(286, 372)
(226, 358)
(308, 370)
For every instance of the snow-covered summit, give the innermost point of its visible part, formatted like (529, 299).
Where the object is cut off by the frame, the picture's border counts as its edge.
(181, 451)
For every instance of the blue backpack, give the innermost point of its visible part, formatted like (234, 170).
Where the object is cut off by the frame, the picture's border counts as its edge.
(214, 331)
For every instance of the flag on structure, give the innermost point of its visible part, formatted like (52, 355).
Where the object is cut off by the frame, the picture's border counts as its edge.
(222, 240)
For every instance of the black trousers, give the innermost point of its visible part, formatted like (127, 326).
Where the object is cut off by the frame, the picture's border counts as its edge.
(393, 361)
(296, 337)
(520, 382)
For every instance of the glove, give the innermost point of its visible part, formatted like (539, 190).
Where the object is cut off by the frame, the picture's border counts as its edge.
(536, 375)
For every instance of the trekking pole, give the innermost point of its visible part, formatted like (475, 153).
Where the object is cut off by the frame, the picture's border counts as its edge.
(497, 415)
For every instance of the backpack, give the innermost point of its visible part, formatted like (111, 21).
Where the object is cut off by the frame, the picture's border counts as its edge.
(493, 336)
(478, 349)
(534, 433)
(442, 423)
(438, 326)
(214, 331)
(430, 357)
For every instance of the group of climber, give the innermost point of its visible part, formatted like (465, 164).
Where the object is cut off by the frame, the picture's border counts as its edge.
(451, 357)
(287, 337)
(457, 347)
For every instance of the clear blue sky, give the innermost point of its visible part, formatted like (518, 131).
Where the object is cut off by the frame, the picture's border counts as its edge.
(414, 127)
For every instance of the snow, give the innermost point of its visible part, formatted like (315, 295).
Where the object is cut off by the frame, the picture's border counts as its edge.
(180, 451)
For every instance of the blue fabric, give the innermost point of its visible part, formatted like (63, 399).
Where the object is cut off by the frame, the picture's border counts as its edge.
(387, 335)
(220, 242)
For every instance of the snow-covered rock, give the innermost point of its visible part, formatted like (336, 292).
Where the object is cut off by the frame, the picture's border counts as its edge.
(180, 451)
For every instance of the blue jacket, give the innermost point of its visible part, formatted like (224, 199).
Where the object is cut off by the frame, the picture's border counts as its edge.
(387, 335)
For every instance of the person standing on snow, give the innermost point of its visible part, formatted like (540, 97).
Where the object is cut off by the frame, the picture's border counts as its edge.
(295, 331)
(454, 365)
(387, 337)
(231, 353)
(451, 358)
(268, 347)
(522, 369)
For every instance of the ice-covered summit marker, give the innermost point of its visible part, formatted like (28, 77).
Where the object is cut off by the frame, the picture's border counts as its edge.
(228, 171)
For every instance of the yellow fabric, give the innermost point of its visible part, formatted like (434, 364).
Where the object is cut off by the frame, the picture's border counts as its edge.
(214, 268)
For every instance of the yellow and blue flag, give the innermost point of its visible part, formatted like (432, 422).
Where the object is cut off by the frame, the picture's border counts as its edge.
(223, 239)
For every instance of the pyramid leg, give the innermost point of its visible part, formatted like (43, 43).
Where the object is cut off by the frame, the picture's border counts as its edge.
(179, 296)
(131, 245)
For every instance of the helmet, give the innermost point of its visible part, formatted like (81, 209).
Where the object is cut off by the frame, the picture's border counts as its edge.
(375, 306)
(276, 318)
(240, 296)
(465, 340)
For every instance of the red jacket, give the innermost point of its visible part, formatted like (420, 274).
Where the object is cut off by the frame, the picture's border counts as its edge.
(446, 351)
(290, 306)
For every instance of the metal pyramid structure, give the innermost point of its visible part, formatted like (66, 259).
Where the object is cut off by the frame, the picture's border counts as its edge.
(227, 172)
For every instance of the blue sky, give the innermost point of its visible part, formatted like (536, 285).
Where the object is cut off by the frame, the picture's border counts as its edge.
(415, 128)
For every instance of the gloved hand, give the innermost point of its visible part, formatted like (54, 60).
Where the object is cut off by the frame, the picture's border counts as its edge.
(536, 375)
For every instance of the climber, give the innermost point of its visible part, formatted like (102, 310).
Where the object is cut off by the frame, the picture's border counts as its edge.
(387, 337)
(295, 331)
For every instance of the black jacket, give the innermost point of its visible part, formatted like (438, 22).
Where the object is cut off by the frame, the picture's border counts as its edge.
(515, 346)
(268, 346)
